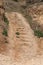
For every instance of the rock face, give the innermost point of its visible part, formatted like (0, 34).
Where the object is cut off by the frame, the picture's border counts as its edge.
(24, 2)
(36, 13)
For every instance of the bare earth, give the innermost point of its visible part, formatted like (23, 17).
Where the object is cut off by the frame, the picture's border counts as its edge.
(23, 47)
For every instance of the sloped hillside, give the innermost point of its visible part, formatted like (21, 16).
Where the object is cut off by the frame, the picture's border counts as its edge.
(22, 47)
(21, 36)
(21, 33)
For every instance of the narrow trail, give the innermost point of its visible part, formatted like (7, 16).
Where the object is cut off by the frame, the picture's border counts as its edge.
(22, 42)
(22, 46)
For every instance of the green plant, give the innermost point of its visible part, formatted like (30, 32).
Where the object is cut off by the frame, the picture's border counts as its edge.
(38, 33)
(5, 19)
(5, 32)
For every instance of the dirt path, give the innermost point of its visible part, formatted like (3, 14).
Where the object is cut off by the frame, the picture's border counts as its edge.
(21, 38)
(22, 46)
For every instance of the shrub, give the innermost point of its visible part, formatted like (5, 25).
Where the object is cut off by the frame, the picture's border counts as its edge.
(38, 33)
(5, 32)
(5, 19)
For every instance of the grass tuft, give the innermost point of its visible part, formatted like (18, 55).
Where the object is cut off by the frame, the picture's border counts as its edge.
(5, 32)
(38, 33)
(5, 19)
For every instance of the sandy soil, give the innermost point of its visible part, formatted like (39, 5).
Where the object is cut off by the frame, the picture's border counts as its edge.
(25, 38)
(22, 48)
